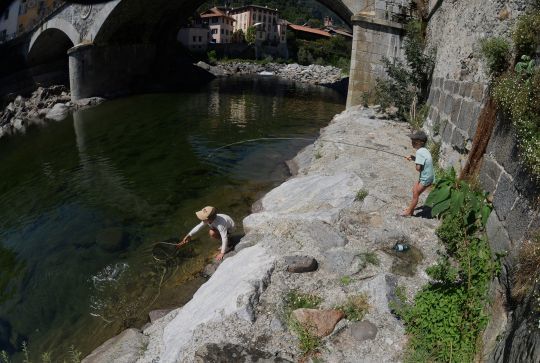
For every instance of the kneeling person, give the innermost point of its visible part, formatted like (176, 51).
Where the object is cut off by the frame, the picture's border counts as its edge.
(221, 226)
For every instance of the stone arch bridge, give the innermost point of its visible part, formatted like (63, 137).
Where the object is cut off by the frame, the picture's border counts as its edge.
(119, 46)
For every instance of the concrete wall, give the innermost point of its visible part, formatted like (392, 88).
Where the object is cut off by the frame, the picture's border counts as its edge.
(373, 39)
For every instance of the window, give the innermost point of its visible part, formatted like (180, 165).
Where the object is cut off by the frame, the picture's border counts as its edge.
(214, 31)
(194, 39)
(200, 39)
(221, 30)
(214, 20)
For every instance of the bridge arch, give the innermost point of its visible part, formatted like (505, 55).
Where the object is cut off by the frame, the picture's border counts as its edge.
(57, 24)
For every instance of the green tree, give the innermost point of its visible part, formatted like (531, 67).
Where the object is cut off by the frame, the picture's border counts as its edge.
(314, 23)
(238, 36)
(251, 33)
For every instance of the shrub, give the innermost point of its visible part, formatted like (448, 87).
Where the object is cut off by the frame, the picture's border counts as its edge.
(212, 56)
(526, 36)
(407, 82)
(518, 95)
(496, 52)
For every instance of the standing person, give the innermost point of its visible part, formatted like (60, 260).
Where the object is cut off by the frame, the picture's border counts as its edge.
(221, 226)
(424, 165)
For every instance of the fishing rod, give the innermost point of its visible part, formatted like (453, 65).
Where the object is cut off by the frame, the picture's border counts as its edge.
(304, 138)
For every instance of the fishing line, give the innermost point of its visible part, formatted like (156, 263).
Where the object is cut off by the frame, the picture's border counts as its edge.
(307, 139)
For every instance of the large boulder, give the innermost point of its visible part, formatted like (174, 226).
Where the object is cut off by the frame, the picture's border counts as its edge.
(58, 112)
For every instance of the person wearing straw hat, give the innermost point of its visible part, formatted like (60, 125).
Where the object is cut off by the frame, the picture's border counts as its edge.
(424, 166)
(221, 226)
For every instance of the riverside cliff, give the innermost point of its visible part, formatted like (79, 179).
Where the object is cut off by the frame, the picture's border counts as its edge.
(340, 207)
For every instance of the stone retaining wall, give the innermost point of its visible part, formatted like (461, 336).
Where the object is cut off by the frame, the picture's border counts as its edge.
(458, 93)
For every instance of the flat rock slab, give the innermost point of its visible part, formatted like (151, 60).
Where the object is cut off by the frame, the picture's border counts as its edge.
(123, 348)
(314, 197)
(319, 322)
(299, 264)
(233, 290)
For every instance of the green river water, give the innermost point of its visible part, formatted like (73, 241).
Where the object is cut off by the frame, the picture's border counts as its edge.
(83, 200)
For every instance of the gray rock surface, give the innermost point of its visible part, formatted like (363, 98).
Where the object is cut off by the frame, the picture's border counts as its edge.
(300, 264)
(58, 112)
(123, 348)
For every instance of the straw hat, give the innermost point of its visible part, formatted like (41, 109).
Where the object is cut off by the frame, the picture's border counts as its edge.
(206, 212)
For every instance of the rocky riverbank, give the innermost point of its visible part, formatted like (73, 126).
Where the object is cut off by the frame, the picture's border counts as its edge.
(340, 208)
(313, 74)
(45, 104)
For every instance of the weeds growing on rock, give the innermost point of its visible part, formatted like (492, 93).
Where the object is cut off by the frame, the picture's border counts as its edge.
(299, 300)
(308, 342)
(368, 258)
(496, 53)
(345, 280)
(528, 271)
(355, 308)
(361, 195)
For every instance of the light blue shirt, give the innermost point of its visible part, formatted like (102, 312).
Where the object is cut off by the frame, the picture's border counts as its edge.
(423, 157)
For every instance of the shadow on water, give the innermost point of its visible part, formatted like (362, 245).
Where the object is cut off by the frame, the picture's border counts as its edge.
(88, 197)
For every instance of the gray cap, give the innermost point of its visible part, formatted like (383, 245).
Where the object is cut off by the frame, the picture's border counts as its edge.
(418, 135)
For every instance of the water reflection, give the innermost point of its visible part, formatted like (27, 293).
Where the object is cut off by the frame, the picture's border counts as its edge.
(85, 199)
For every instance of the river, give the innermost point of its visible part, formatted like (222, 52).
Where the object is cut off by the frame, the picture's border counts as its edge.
(83, 201)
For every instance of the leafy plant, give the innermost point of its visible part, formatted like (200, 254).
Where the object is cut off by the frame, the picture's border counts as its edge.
(361, 195)
(355, 308)
(496, 52)
(525, 67)
(447, 316)
(345, 280)
(453, 196)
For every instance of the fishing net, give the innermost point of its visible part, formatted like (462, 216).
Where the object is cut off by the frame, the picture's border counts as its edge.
(166, 251)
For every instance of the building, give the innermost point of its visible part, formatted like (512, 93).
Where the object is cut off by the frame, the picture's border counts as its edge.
(220, 24)
(265, 20)
(32, 11)
(9, 21)
(195, 36)
(307, 33)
